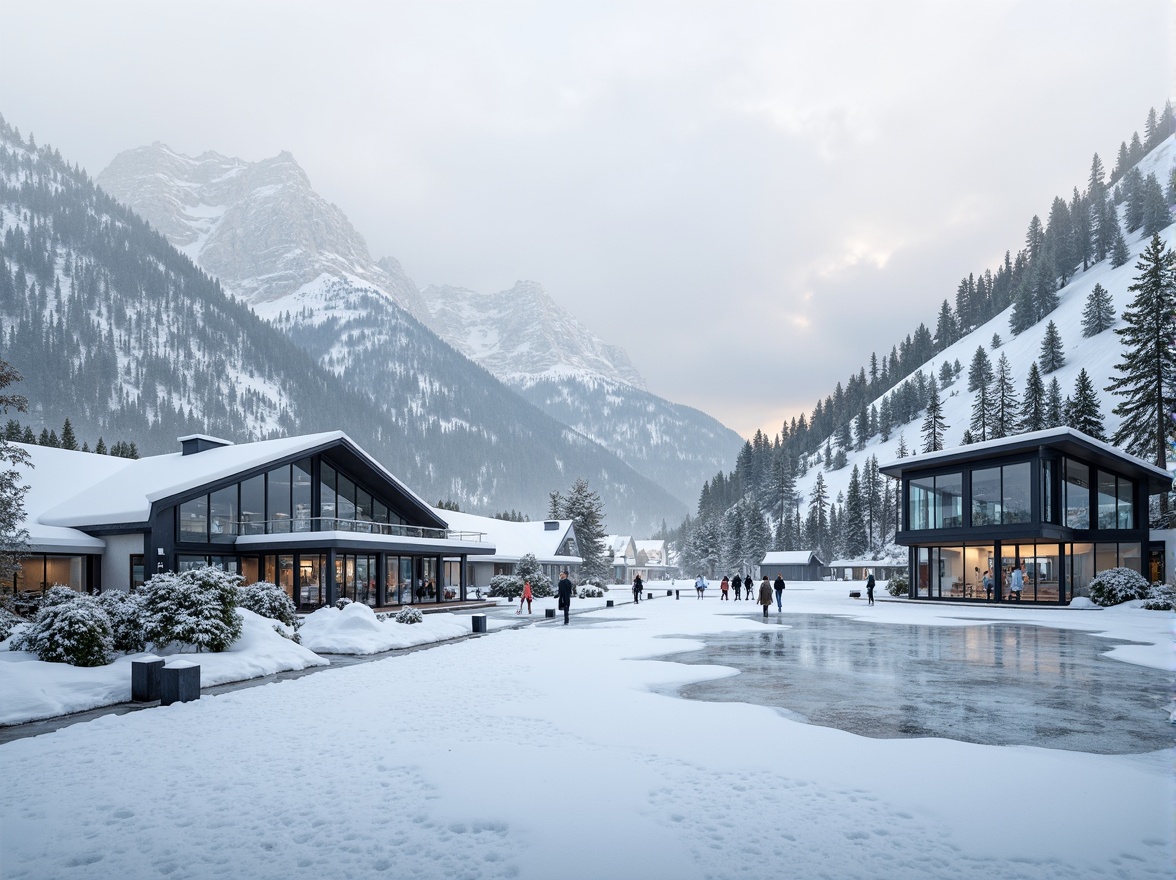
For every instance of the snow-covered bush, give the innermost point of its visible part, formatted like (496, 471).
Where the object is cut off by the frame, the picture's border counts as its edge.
(342, 602)
(529, 570)
(269, 600)
(8, 622)
(76, 632)
(195, 607)
(897, 585)
(1117, 585)
(409, 615)
(506, 585)
(1160, 597)
(590, 592)
(595, 582)
(126, 615)
(58, 595)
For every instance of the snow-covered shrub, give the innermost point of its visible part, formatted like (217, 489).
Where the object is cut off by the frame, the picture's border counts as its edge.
(126, 615)
(1117, 585)
(506, 585)
(897, 585)
(595, 582)
(58, 595)
(342, 602)
(409, 615)
(8, 622)
(1160, 597)
(529, 570)
(269, 600)
(590, 592)
(195, 607)
(75, 632)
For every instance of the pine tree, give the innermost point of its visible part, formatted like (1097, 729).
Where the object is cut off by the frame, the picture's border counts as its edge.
(817, 525)
(1033, 417)
(1054, 414)
(13, 536)
(1099, 313)
(871, 498)
(1083, 412)
(586, 511)
(981, 422)
(968, 439)
(1155, 207)
(1004, 402)
(947, 329)
(1119, 252)
(68, 440)
(934, 428)
(996, 341)
(45, 439)
(1146, 380)
(980, 370)
(855, 537)
(1052, 357)
(100, 449)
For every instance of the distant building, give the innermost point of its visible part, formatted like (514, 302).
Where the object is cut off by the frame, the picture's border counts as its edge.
(1060, 503)
(858, 569)
(629, 558)
(793, 565)
(552, 542)
(314, 514)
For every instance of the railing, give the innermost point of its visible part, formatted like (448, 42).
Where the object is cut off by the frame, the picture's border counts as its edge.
(301, 525)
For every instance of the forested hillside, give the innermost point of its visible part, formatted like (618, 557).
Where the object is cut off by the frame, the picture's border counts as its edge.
(1024, 346)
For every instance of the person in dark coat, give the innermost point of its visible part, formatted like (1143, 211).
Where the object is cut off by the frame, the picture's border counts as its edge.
(565, 595)
(870, 588)
(765, 596)
(779, 585)
(747, 585)
(737, 585)
(638, 586)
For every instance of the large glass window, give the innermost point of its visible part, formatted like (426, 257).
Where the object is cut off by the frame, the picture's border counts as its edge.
(327, 497)
(1076, 494)
(301, 496)
(1105, 556)
(345, 500)
(363, 507)
(1131, 556)
(311, 589)
(278, 500)
(223, 506)
(194, 520)
(1048, 507)
(922, 495)
(1016, 493)
(1108, 500)
(979, 581)
(1081, 570)
(253, 506)
(937, 502)
(986, 497)
(1126, 505)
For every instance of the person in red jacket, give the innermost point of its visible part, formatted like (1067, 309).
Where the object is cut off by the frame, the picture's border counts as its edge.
(525, 597)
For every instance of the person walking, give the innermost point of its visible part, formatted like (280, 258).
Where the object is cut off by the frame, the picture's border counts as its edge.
(779, 585)
(765, 596)
(870, 587)
(1017, 582)
(763, 583)
(988, 585)
(700, 585)
(565, 595)
(638, 586)
(525, 597)
(738, 587)
(724, 586)
(747, 585)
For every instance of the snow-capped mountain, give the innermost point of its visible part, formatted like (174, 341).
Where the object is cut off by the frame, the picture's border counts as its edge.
(522, 337)
(264, 233)
(528, 341)
(258, 227)
(116, 330)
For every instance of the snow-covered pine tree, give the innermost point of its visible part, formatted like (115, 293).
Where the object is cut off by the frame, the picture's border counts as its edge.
(759, 536)
(68, 440)
(1146, 380)
(855, 538)
(1155, 207)
(997, 342)
(1054, 412)
(871, 499)
(980, 370)
(586, 510)
(934, 427)
(1099, 313)
(946, 374)
(13, 536)
(981, 423)
(1083, 412)
(1004, 402)
(1119, 252)
(1033, 403)
(1052, 356)
(817, 526)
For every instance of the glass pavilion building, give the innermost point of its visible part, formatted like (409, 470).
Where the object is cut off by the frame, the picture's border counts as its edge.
(1060, 503)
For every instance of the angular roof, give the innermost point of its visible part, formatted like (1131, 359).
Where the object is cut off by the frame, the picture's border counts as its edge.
(791, 557)
(55, 476)
(514, 540)
(126, 495)
(1063, 439)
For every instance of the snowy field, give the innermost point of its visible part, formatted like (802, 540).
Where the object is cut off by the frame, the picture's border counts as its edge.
(553, 752)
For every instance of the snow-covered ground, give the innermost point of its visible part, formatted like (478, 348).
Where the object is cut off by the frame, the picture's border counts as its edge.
(553, 751)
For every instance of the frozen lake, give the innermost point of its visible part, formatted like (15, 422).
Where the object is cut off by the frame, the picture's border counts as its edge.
(998, 683)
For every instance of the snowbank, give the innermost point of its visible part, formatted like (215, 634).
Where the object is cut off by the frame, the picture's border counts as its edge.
(31, 689)
(356, 630)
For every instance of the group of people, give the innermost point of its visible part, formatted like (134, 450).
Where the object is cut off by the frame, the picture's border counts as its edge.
(734, 583)
(563, 591)
(743, 586)
(1014, 583)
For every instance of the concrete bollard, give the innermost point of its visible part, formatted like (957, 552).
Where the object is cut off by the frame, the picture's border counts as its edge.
(669, 592)
(179, 683)
(549, 613)
(648, 596)
(855, 594)
(677, 594)
(145, 677)
(479, 623)
(608, 603)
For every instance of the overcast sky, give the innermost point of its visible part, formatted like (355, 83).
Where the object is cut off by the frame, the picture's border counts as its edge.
(776, 189)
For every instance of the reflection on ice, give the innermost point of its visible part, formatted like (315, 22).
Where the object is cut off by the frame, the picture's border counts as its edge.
(998, 683)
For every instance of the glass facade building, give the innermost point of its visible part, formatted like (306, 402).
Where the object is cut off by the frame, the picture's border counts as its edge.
(1043, 512)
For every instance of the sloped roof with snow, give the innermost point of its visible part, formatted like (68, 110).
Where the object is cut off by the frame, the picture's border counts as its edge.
(655, 551)
(514, 540)
(126, 495)
(55, 476)
(790, 557)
